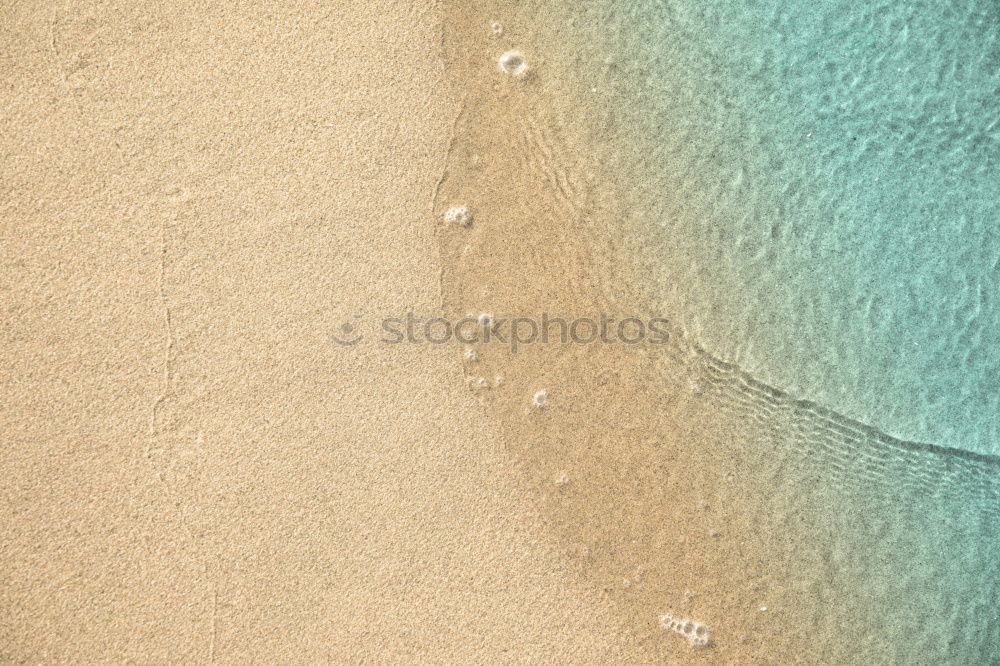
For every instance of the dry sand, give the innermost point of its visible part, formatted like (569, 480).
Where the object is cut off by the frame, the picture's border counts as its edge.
(193, 197)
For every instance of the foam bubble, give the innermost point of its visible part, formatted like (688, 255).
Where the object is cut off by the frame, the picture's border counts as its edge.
(697, 633)
(540, 399)
(471, 354)
(496, 28)
(460, 215)
(513, 63)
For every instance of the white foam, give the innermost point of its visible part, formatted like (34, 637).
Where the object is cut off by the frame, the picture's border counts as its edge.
(513, 63)
(540, 399)
(460, 215)
(697, 633)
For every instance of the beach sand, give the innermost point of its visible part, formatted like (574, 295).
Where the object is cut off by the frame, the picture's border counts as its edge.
(196, 199)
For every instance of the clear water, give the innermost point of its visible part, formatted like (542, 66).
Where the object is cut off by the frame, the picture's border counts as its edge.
(811, 192)
(817, 189)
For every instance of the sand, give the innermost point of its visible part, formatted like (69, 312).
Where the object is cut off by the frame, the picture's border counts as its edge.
(194, 197)
(198, 201)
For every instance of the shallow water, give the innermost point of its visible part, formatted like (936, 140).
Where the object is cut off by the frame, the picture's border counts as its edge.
(816, 193)
(819, 440)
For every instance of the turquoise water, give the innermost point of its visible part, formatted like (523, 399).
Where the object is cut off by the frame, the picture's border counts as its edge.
(812, 192)
(815, 193)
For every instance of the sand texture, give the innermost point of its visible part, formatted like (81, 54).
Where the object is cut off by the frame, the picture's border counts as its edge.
(199, 201)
